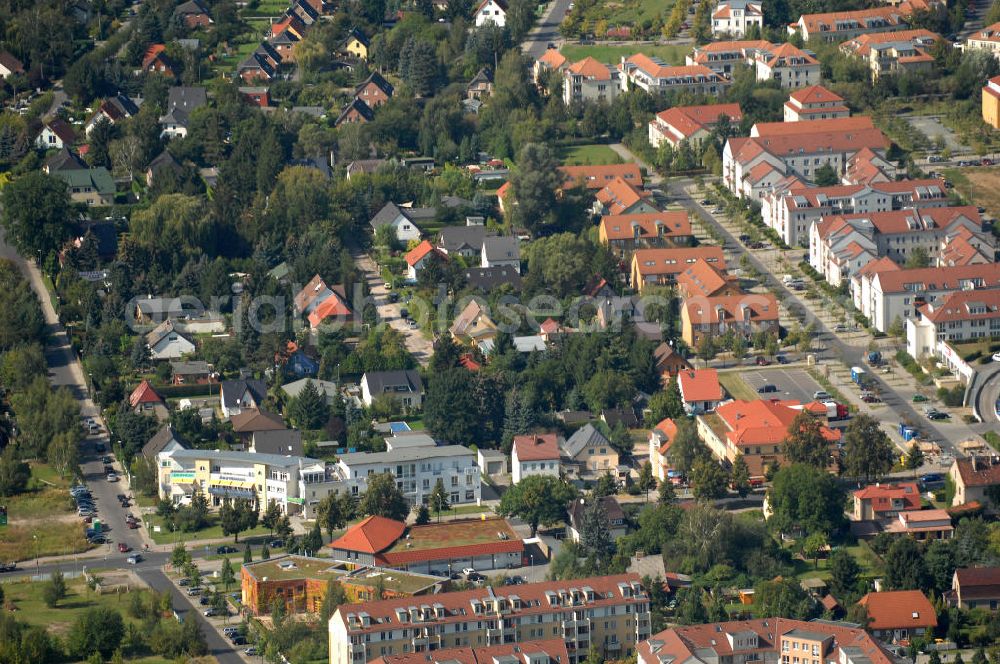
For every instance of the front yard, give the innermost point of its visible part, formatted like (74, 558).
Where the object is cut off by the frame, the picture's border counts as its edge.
(212, 532)
(588, 155)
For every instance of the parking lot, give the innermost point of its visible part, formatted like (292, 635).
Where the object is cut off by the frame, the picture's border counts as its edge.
(791, 383)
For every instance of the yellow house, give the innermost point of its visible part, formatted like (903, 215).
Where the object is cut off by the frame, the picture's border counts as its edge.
(357, 44)
(473, 325)
(591, 451)
(991, 102)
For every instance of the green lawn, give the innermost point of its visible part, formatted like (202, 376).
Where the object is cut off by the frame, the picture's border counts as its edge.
(589, 155)
(26, 596)
(735, 386)
(41, 523)
(612, 54)
(214, 531)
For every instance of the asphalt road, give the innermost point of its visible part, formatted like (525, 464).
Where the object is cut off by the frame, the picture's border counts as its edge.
(547, 29)
(989, 393)
(835, 347)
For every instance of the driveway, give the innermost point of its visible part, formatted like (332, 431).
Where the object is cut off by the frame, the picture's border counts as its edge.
(419, 346)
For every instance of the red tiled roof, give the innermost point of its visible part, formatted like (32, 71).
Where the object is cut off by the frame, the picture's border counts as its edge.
(782, 56)
(741, 308)
(462, 551)
(835, 125)
(701, 279)
(622, 226)
(959, 306)
(144, 393)
(152, 53)
(591, 68)
(668, 428)
(979, 582)
(555, 649)
(815, 94)
(553, 58)
(620, 195)
(881, 496)
(372, 535)
(762, 422)
(595, 177)
(537, 447)
(420, 251)
(978, 473)
(332, 307)
(814, 23)
(676, 260)
(685, 121)
(700, 385)
(945, 278)
(897, 609)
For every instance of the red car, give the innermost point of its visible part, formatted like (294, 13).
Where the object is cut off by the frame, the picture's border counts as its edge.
(123, 547)
(132, 525)
(762, 361)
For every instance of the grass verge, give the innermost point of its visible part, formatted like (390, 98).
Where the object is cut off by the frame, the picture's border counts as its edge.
(735, 387)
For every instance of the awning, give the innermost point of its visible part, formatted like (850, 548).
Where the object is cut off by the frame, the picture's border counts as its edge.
(232, 492)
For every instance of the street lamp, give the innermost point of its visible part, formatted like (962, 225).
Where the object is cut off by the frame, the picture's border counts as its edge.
(35, 539)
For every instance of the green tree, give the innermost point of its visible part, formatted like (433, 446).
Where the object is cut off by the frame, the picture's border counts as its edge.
(283, 529)
(844, 574)
(37, 214)
(813, 546)
(54, 590)
(666, 495)
(708, 479)
(595, 533)
(226, 574)
(740, 476)
(687, 447)
(537, 499)
(534, 184)
(309, 410)
(273, 512)
(915, 457)
(868, 452)
(803, 496)
(805, 442)
(646, 480)
(247, 554)
(918, 258)
(334, 511)
(705, 348)
(904, 565)
(14, 473)
(180, 556)
(332, 599)
(665, 404)
(607, 389)
(438, 499)
(313, 541)
(384, 498)
(825, 176)
(265, 552)
(451, 392)
(423, 515)
(783, 598)
(96, 630)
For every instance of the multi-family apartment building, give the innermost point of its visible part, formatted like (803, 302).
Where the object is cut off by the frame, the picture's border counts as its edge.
(744, 314)
(885, 293)
(755, 429)
(815, 103)
(771, 640)
(736, 17)
(958, 317)
(841, 26)
(295, 484)
(661, 266)
(901, 52)
(551, 60)
(546, 651)
(624, 233)
(590, 80)
(535, 454)
(841, 244)
(986, 39)
(656, 77)
(610, 612)
(693, 124)
(788, 66)
(791, 211)
(417, 470)
(991, 102)
(723, 56)
(751, 166)
(598, 176)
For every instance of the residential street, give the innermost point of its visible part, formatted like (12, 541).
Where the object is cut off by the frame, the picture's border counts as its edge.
(547, 29)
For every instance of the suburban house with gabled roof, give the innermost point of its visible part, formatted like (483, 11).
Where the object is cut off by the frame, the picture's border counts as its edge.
(745, 314)
(181, 102)
(590, 80)
(703, 279)
(589, 450)
(736, 17)
(465, 241)
(815, 102)
(662, 266)
(334, 309)
(417, 258)
(898, 615)
(145, 399)
(9, 65)
(551, 60)
(357, 44)
(64, 160)
(473, 325)
(235, 396)
(165, 342)
(93, 186)
(657, 77)
(256, 67)
(193, 14)
(668, 362)
(404, 385)
(374, 90)
(55, 135)
(700, 390)
(975, 587)
(194, 372)
(286, 442)
(624, 233)
(311, 296)
(660, 438)
(693, 124)
(621, 197)
(156, 61)
(402, 219)
(501, 251)
(973, 477)
(884, 502)
(535, 454)
(164, 440)
(491, 11)
(113, 109)
(578, 508)
(355, 112)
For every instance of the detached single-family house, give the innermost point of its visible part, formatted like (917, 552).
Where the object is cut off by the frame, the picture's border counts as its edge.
(973, 477)
(402, 220)
(326, 388)
(144, 399)
(239, 395)
(56, 134)
(473, 325)
(700, 390)
(578, 508)
(466, 241)
(196, 372)
(883, 502)
(357, 44)
(166, 343)
(669, 362)
(404, 385)
(417, 258)
(252, 420)
(535, 454)
(181, 102)
(156, 61)
(898, 615)
(93, 186)
(501, 252)
(165, 440)
(660, 438)
(491, 11)
(590, 449)
(374, 90)
(285, 442)
(9, 65)
(975, 587)
(113, 109)
(193, 14)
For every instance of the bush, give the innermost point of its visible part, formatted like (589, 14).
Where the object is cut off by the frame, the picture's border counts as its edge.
(953, 397)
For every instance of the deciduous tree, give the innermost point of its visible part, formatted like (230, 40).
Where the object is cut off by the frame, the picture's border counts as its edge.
(868, 452)
(383, 498)
(537, 499)
(805, 442)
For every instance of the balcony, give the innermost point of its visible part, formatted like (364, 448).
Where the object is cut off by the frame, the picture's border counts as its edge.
(613, 646)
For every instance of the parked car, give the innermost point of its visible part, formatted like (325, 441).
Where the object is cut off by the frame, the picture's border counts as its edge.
(919, 398)
(132, 525)
(97, 539)
(996, 357)
(251, 651)
(194, 591)
(211, 611)
(938, 415)
(8, 567)
(112, 477)
(230, 630)
(762, 361)
(123, 547)
(184, 582)
(239, 640)
(767, 389)
(275, 544)
(134, 559)
(204, 600)
(821, 395)
(225, 548)
(468, 570)
(781, 359)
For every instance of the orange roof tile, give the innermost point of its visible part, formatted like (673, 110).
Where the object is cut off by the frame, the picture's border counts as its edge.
(537, 447)
(702, 279)
(815, 94)
(591, 68)
(144, 393)
(332, 307)
(882, 495)
(618, 196)
(700, 385)
(419, 252)
(623, 226)
(372, 535)
(553, 58)
(743, 307)
(597, 176)
(676, 260)
(896, 609)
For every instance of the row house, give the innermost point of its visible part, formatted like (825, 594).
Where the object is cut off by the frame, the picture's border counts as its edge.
(958, 317)
(656, 77)
(743, 313)
(751, 166)
(609, 612)
(549, 651)
(903, 51)
(625, 233)
(841, 26)
(621, 197)
(703, 279)
(868, 167)
(841, 244)
(724, 56)
(737, 17)
(590, 80)
(792, 210)
(815, 103)
(885, 293)
(787, 65)
(693, 124)
(651, 267)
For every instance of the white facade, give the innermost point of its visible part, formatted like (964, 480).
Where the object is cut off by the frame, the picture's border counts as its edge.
(171, 347)
(792, 70)
(736, 17)
(595, 82)
(491, 12)
(49, 140)
(417, 470)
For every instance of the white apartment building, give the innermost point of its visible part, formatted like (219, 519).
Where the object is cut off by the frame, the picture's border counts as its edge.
(417, 470)
(535, 454)
(815, 103)
(961, 316)
(590, 80)
(839, 245)
(791, 210)
(656, 77)
(885, 294)
(841, 26)
(737, 17)
(723, 56)
(987, 39)
(789, 66)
